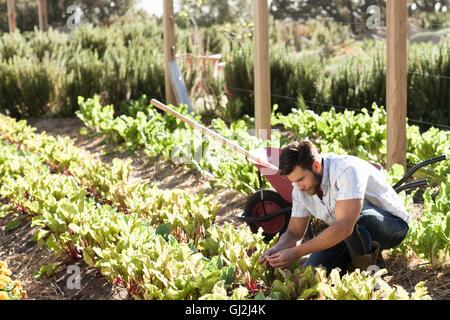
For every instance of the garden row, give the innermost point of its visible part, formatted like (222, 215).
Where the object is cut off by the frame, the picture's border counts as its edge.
(44, 73)
(143, 250)
(362, 135)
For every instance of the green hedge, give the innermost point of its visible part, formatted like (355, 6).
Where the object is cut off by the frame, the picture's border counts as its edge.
(42, 74)
(349, 82)
(357, 84)
(291, 76)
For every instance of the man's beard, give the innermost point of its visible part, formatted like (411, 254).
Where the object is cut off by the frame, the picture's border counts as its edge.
(317, 181)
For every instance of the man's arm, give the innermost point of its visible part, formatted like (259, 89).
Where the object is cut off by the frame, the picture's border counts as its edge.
(295, 232)
(346, 212)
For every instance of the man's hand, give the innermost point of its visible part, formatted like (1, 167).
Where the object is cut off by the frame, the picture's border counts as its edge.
(266, 254)
(284, 258)
(295, 232)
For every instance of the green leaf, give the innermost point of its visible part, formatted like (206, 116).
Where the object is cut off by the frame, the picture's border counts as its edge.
(14, 224)
(241, 293)
(307, 293)
(39, 235)
(282, 289)
(5, 210)
(88, 259)
(228, 274)
(52, 243)
(46, 270)
(164, 230)
(259, 296)
(275, 295)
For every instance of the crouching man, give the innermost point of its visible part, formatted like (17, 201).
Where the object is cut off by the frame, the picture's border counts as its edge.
(363, 212)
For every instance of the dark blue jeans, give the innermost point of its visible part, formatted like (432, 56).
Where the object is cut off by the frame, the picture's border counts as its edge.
(372, 224)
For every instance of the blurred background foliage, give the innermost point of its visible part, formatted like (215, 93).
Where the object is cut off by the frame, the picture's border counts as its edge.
(322, 55)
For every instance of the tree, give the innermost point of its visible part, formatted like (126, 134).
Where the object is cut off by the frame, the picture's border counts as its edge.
(430, 6)
(97, 12)
(284, 9)
(354, 11)
(209, 12)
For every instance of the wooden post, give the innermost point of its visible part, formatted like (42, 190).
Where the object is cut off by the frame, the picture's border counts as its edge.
(396, 81)
(169, 48)
(262, 69)
(43, 18)
(11, 15)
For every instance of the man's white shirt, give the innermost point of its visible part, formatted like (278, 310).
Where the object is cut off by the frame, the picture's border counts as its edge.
(348, 177)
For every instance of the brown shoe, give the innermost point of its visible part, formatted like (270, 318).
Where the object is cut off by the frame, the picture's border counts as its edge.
(364, 261)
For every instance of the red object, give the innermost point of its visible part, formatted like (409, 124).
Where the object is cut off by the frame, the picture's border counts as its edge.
(273, 225)
(280, 183)
(377, 166)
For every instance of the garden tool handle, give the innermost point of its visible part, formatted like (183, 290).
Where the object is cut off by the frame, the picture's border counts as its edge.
(213, 134)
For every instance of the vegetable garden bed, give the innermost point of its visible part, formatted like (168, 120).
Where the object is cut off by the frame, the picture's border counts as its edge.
(407, 272)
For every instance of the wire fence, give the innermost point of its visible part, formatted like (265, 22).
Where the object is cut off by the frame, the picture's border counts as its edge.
(324, 104)
(381, 24)
(429, 75)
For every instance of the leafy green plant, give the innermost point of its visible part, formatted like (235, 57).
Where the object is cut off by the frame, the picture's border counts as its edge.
(131, 249)
(298, 284)
(47, 270)
(363, 286)
(94, 115)
(430, 235)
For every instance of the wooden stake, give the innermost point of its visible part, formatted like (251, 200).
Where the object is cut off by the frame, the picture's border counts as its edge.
(43, 18)
(169, 48)
(396, 81)
(11, 15)
(262, 69)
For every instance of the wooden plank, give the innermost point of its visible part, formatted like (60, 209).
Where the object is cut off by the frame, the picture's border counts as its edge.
(262, 69)
(11, 15)
(229, 143)
(169, 48)
(43, 18)
(396, 81)
(177, 82)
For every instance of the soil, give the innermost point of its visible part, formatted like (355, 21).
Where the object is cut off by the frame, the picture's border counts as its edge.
(24, 256)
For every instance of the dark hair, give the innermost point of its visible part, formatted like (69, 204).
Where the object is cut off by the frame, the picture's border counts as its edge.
(298, 153)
